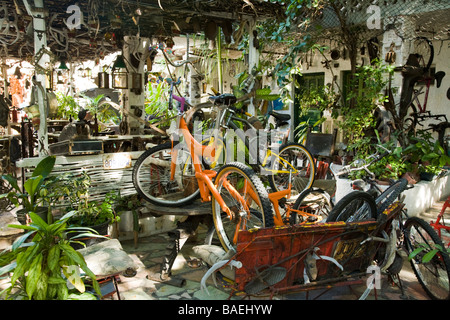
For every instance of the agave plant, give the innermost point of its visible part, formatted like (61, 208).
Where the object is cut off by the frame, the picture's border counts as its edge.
(43, 268)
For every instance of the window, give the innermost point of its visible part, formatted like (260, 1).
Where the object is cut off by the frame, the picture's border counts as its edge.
(307, 83)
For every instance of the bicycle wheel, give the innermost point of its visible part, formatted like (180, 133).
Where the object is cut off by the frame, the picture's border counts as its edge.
(355, 206)
(424, 51)
(313, 201)
(256, 212)
(432, 271)
(293, 158)
(388, 196)
(152, 176)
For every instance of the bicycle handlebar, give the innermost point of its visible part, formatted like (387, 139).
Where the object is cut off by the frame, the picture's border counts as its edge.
(348, 168)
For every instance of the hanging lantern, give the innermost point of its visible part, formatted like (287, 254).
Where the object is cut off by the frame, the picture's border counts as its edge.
(80, 72)
(103, 79)
(119, 74)
(60, 77)
(87, 72)
(63, 66)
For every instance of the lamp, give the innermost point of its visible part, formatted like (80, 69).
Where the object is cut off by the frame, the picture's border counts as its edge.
(59, 77)
(103, 79)
(87, 72)
(80, 72)
(119, 73)
(62, 65)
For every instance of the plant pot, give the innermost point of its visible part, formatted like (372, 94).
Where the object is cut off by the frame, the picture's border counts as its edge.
(23, 216)
(426, 176)
(101, 228)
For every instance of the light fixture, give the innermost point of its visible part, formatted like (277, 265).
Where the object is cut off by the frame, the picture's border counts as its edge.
(87, 72)
(59, 77)
(62, 65)
(119, 73)
(103, 79)
(80, 72)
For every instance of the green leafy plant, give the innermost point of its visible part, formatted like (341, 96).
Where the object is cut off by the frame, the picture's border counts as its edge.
(67, 106)
(427, 152)
(41, 269)
(36, 186)
(105, 113)
(431, 251)
(364, 97)
(156, 104)
(92, 213)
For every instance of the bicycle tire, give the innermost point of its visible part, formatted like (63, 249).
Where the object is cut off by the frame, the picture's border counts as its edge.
(355, 206)
(156, 186)
(259, 215)
(426, 54)
(301, 159)
(388, 196)
(313, 201)
(433, 275)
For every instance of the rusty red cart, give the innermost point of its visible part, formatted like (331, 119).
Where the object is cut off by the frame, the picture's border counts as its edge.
(309, 256)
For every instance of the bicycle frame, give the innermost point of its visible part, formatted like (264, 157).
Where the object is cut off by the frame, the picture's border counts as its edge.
(253, 151)
(422, 109)
(438, 225)
(204, 177)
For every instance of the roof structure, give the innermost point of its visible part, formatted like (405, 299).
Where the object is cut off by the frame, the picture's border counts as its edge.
(86, 29)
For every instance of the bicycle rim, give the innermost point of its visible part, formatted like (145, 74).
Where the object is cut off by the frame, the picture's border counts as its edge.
(433, 274)
(257, 211)
(294, 158)
(311, 201)
(152, 176)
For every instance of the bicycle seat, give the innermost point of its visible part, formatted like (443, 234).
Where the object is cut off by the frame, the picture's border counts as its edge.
(438, 76)
(225, 98)
(280, 116)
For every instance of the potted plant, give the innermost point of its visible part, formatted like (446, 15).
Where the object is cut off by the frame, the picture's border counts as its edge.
(35, 190)
(96, 215)
(41, 269)
(126, 208)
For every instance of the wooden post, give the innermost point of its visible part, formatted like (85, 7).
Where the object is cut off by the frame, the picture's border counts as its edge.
(253, 59)
(40, 42)
(135, 52)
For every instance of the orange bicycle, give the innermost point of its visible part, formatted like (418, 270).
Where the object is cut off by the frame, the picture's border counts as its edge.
(175, 173)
